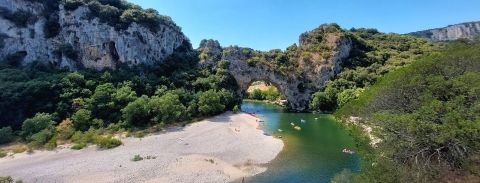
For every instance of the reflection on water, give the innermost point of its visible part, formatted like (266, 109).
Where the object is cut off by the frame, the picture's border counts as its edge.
(312, 154)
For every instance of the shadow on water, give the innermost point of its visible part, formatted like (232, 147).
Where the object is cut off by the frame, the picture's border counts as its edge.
(312, 154)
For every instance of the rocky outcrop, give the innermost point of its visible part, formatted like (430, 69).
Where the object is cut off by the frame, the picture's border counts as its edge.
(83, 41)
(291, 85)
(469, 30)
(210, 52)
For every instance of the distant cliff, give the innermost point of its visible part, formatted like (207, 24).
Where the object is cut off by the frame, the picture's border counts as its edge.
(85, 34)
(468, 30)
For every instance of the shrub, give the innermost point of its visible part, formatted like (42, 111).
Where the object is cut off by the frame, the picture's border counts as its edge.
(236, 109)
(107, 142)
(41, 138)
(3, 153)
(137, 158)
(79, 146)
(7, 179)
(39, 122)
(65, 129)
(19, 148)
(6, 135)
(85, 137)
(51, 144)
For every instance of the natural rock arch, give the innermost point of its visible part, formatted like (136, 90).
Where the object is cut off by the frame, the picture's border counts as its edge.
(316, 73)
(287, 85)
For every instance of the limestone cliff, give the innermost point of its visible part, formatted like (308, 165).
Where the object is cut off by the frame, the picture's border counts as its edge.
(469, 30)
(82, 41)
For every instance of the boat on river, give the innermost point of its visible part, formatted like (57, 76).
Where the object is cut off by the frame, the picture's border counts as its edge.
(280, 130)
(303, 121)
(348, 151)
(293, 124)
(298, 128)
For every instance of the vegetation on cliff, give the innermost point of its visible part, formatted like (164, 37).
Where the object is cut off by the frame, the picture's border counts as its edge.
(374, 54)
(427, 117)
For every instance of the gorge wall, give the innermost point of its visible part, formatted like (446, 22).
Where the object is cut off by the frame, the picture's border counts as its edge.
(82, 41)
(469, 30)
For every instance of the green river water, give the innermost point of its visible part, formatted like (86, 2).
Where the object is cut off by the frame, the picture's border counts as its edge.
(312, 154)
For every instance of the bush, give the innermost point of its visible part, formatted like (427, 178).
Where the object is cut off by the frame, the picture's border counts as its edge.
(41, 138)
(3, 153)
(40, 122)
(79, 146)
(137, 158)
(85, 137)
(236, 109)
(6, 135)
(65, 129)
(7, 179)
(107, 142)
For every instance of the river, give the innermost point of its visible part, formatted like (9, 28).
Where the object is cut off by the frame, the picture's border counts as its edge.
(312, 154)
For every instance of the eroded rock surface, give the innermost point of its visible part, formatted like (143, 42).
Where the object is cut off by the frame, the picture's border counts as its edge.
(469, 30)
(90, 43)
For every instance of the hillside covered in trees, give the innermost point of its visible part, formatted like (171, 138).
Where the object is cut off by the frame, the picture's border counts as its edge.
(427, 117)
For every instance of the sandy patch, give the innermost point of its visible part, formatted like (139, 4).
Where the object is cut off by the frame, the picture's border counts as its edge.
(220, 149)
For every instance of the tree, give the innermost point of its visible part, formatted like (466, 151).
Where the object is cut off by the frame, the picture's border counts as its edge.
(6, 135)
(167, 108)
(101, 102)
(321, 101)
(82, 119)
(36, 124)
(256, 94)
(209, 103)
(347, 95)
(137, 112)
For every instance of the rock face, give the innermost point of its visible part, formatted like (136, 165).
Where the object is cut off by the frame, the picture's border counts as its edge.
(210, 52)
(83, 41)
(290, 85)
(469, 30)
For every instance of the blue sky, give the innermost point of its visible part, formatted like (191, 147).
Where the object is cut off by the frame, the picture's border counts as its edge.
(272, 24)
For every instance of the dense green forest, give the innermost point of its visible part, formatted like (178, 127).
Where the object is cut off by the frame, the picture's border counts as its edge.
(427, 115)
(43, 105)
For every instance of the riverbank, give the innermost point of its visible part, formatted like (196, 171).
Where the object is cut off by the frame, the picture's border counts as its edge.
(224, 148)
(279, 103)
